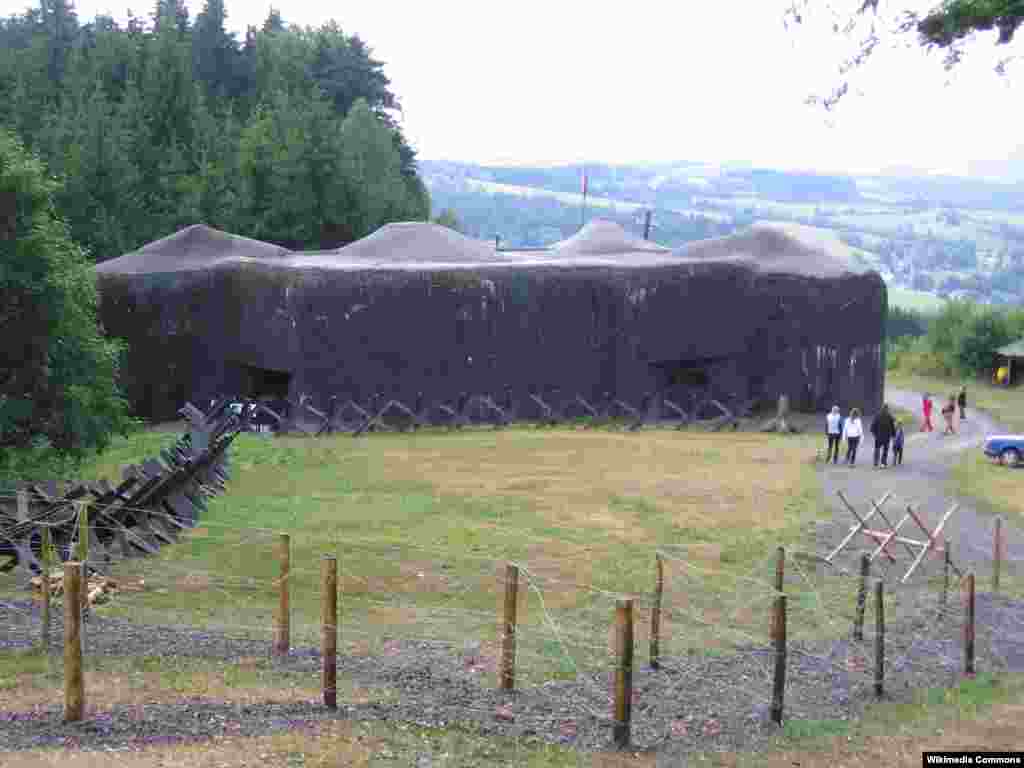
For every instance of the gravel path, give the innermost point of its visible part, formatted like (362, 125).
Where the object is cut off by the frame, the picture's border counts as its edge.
(696, 702)
(921, 482)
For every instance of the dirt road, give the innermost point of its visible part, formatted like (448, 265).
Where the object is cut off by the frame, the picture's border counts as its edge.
(922, 481)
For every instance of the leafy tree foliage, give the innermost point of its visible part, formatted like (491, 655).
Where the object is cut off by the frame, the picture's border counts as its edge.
(948, 26)
(288, 135)
(57, 373)
(961, 340)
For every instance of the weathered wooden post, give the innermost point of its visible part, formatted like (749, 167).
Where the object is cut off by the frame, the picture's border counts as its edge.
(969, 625)
(862, 597)
(997, 554)
(46, 552)
(74, 683)
(946, 563)
(879, 638)
(329, 629)
(659, 585)
(779, 682)
(780, 580)
(507, 668)
(282, 625)
(623, 672)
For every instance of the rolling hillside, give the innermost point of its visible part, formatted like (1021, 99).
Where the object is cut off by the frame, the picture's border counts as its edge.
(930, 237)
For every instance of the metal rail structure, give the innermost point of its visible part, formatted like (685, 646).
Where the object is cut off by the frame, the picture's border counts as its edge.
(154, 501)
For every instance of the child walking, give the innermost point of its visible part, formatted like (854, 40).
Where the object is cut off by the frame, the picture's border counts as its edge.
(897, 444)
(948, 411)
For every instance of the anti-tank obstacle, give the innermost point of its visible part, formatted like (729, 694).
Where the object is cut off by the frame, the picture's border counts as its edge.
(154, 501)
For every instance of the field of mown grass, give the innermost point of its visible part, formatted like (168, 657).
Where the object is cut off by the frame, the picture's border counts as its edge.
(423, 525)
(920, 301)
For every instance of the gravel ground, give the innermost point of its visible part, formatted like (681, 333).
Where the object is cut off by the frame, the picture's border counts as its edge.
(694, 702)
(697, 702)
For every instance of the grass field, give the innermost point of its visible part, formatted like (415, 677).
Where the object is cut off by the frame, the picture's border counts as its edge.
(905, 298)
(423, 525)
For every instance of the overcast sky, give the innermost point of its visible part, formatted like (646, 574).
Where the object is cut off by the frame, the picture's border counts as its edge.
(558, 81)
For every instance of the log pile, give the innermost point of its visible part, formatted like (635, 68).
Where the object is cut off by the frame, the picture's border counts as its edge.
(100, 588)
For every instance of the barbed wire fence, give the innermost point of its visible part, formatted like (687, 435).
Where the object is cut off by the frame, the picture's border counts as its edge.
(591, 665)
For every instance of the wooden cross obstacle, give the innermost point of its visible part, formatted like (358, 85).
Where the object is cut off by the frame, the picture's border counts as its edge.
(883, 538)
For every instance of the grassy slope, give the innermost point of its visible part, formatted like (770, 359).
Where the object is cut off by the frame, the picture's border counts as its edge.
(423, 523)
(578, 507)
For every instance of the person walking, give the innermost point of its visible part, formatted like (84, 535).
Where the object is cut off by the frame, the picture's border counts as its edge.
(948, 412)
(882, 429)
(834, 430)
(853, 430)
(961, 400)
(926, 405)
(897, 444)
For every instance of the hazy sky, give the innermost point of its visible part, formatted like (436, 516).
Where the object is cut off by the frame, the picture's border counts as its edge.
(557, 81)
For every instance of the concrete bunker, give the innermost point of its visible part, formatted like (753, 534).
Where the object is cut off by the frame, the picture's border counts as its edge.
(417, 308)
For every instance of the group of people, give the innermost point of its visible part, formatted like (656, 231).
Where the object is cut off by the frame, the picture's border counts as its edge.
(886, 430)
(949, 411)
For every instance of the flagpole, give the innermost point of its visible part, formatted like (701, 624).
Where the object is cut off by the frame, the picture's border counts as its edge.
(583, 210)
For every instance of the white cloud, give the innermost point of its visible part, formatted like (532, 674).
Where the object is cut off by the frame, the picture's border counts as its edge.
(565, 80)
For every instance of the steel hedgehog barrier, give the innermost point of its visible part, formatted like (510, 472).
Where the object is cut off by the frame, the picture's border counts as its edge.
(154, 501)
(550, 408)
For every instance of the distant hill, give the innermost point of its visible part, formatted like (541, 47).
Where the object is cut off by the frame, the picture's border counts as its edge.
(931, 237)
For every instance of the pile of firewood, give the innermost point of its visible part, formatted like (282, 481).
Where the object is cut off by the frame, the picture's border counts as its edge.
(99, 589)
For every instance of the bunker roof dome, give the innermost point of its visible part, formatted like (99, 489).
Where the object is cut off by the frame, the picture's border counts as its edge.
(790, 249)
(194, 248)
(600, 237)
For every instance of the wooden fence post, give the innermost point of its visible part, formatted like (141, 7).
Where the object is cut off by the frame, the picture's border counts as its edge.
(329, 629)
(46, 550)
(946, 562)
(969, 625)
(282, 625)
(779, 683)
(507, 667)
(74, 683)
(623, 672)
(780, 581)
(659, 586)
(997, 554)
(83, 552)
(862, 597)
(879, 638)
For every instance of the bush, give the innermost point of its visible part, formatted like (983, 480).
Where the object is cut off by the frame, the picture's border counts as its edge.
(57, 373)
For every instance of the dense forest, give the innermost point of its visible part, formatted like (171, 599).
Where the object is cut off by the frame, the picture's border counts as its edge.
(286, 136)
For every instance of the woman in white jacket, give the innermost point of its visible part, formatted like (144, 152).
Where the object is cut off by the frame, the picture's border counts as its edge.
(833, 428)
(853, 431)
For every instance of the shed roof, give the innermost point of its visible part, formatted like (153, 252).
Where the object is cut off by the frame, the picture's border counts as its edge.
(1016, 349)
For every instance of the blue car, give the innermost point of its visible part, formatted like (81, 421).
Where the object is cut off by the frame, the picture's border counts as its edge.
(1007, 449)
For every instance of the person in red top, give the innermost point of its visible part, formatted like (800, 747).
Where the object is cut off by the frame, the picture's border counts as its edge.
(926, 402)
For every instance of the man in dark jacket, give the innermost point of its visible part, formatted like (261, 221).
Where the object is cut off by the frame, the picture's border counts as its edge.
(882, 429)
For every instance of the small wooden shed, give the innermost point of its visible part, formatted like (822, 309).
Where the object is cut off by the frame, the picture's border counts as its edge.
(1011, 357)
